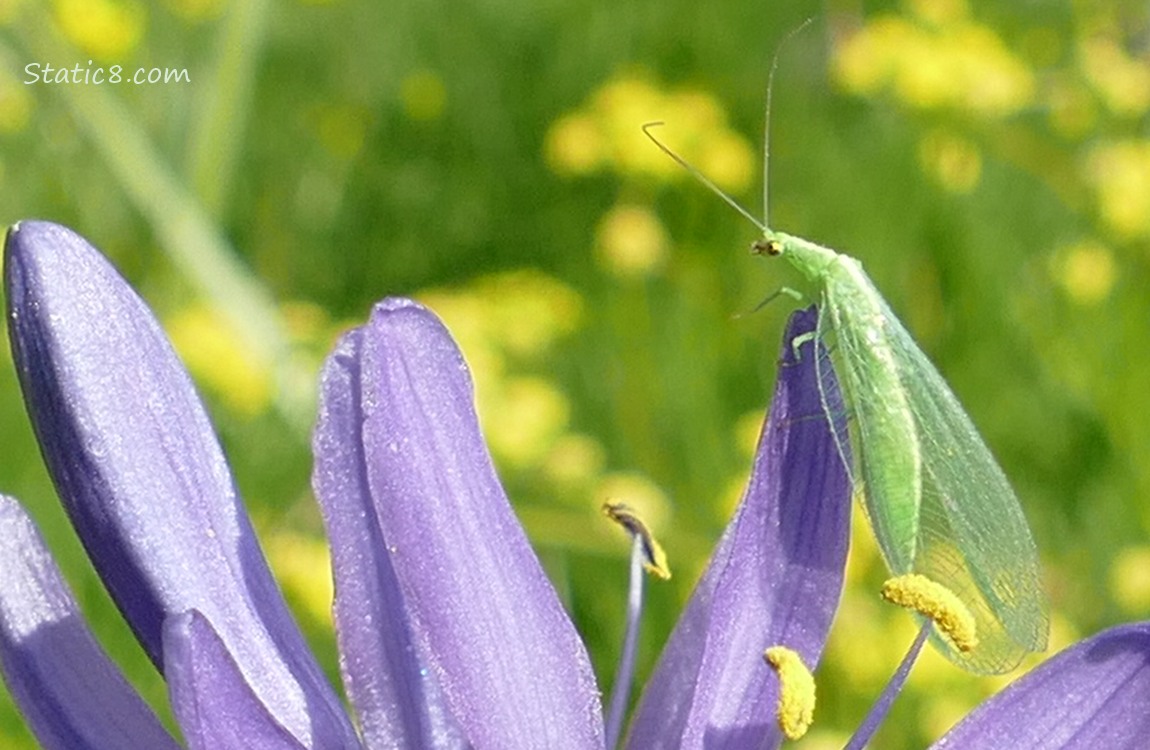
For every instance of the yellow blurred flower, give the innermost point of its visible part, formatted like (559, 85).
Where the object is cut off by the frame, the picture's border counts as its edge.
(519, 313)
(606, 134)
(105, 29)
(698, 108)
(621, 106)
(630, 242)
(923, 75)
(1086, 271)
(424, 95)
(953, 161)
(996, 82)
(959, 65)
(574, 459)
(303, 568)
(1130, 580)
(1122, 82)
(1120, 174)
(574, 145)
(523, 418)
(527, 311)
(218, 358)
(864, 61)
(728, 161)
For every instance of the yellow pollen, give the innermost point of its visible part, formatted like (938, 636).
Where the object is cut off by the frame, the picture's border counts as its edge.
(796, 709)
(932, 599)
(655, 558)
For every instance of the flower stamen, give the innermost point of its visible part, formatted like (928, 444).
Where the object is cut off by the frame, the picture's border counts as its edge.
(935, 601)
(646, 553)
(796, 709)
(942, 608)
(655, 559)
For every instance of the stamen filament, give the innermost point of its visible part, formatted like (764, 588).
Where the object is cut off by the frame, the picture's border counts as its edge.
(881, 707)
(621, 690)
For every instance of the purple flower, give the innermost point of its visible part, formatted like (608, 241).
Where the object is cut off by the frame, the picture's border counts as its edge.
(143, 479)
(774, 579)
(450, 634)
(1094, 694)
(447, 622)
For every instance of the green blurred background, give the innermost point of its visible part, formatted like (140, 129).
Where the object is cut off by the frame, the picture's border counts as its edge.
(989, 163)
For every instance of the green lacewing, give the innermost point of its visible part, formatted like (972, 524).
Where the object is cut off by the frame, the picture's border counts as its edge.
(936, 499)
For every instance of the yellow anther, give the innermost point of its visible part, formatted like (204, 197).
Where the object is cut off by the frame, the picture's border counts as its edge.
(796, 709)
(653, 554)
(931, 599)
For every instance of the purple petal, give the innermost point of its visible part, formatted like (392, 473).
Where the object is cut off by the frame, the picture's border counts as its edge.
(511, 666)
(1094, 694)
(142, 476)
(72, 696)
(213, 702)
(396, 698)
(775, 578)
